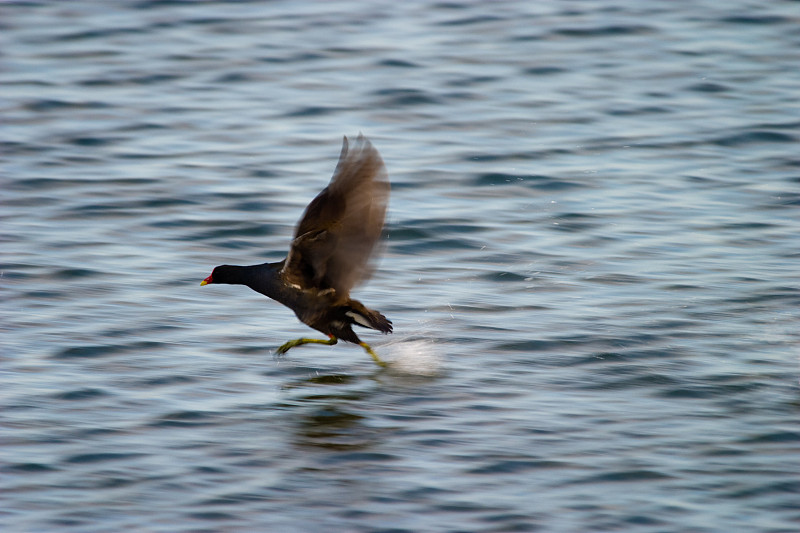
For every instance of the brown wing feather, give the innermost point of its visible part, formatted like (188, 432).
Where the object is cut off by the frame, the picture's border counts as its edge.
(336, 236)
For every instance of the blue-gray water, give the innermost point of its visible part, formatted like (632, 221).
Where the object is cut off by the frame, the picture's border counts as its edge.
(592, 267)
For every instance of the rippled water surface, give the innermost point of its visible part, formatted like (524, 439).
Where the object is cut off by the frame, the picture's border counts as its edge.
(591, 265)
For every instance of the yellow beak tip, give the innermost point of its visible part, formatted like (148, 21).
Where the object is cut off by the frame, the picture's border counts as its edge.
(204, 282)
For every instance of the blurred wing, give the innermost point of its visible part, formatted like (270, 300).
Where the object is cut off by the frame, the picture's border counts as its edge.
(335, 239)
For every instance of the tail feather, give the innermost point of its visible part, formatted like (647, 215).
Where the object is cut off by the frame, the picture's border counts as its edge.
(368, 318)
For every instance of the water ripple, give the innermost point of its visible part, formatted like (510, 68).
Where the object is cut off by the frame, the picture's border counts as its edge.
(590, 263)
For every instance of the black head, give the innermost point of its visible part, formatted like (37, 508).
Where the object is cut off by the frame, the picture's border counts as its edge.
(224, 274)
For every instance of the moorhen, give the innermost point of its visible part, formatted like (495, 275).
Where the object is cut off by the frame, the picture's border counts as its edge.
(331, 252)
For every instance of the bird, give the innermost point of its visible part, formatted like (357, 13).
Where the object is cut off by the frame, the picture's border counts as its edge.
(332, 251)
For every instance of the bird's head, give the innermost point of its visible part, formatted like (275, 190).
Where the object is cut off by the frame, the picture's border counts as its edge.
(222, 274)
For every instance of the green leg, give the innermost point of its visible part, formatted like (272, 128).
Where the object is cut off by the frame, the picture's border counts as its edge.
(283, 348)
(372, 354)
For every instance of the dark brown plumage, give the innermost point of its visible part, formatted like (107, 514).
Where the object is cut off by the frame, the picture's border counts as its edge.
(332, 251)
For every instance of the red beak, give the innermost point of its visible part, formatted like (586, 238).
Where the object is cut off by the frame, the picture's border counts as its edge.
(206, 281)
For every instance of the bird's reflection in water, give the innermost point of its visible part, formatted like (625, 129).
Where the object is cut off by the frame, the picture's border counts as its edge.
(334, 427)
(326, 409)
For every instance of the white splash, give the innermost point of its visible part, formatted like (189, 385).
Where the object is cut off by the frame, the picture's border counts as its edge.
(416, 357)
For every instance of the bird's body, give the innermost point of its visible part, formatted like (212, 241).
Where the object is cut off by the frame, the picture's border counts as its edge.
(331, 252)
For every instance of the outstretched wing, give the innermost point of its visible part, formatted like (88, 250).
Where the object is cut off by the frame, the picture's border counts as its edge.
(336, 236)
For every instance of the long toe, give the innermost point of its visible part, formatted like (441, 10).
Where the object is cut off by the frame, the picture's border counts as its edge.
(283, 348)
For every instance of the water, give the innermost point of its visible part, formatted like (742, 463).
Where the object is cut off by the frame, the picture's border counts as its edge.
(591, 267)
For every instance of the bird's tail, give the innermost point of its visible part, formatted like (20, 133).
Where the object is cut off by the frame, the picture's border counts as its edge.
(368, 318)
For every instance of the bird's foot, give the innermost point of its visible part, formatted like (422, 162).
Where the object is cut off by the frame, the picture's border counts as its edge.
(283, 348)
(372, 354)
